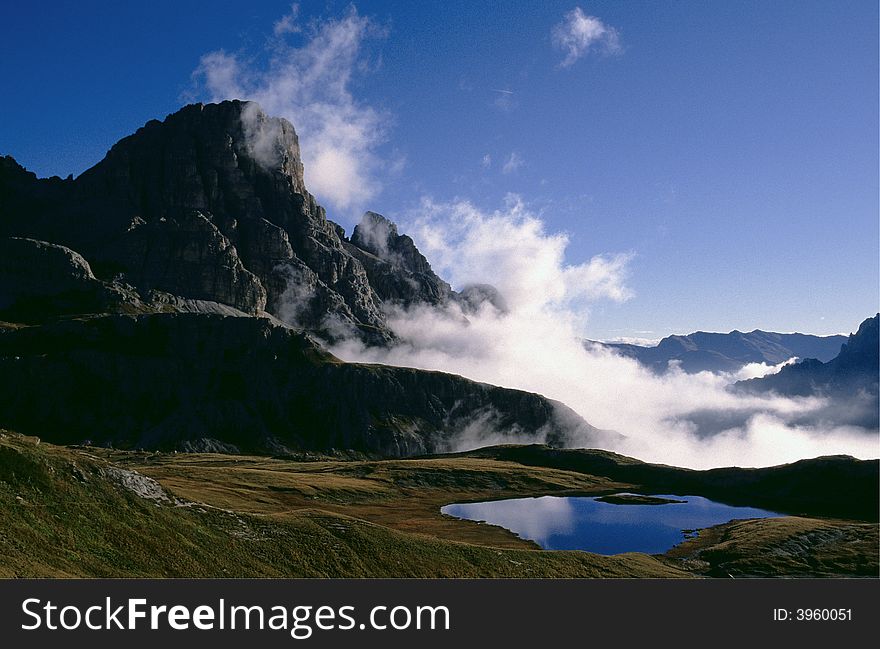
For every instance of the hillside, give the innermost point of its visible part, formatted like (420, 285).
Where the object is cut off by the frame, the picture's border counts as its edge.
(91, 512)
(196, 381)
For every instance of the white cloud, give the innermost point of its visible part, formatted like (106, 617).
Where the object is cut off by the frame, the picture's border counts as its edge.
(578, 33)
(514, 161)
(287, 24)
(759, 370)
(309, 85)
(677, 418)
(486, 162)
(510, 249)
(634, 340)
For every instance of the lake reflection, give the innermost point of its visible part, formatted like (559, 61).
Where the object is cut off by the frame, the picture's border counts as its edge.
(577, 523)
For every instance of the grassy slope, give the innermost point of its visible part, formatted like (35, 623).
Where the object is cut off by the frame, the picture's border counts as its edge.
(401, 494)
(407, 495)
(793, 546)
(63, 514)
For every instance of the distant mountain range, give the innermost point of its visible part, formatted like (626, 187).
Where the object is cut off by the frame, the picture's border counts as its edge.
(850, 379)
(728, 352)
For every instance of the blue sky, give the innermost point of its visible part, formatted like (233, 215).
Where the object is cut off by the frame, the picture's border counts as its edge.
(729, 147)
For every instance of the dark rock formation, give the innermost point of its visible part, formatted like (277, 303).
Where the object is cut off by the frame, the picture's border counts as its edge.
(397, 271)
(203, 382)
(209, 204)
(40, 279)
(185, 254)
(717, 352)
(31, 268)
(472, 297)
(850, 379)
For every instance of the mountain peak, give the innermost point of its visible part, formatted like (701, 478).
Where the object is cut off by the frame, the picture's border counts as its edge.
(236, 131)
(376, 234)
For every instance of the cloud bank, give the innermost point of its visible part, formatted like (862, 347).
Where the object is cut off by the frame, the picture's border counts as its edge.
(309, 84)
(579, 33)
(536, 345)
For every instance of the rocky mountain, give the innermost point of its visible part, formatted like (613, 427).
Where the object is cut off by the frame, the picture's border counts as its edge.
(850, 379)
(166, 297)
(728, 352)
(396, 269)
(211, 205)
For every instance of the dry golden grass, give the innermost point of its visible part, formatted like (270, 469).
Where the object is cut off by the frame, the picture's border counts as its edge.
(405, 495)
(61, 515)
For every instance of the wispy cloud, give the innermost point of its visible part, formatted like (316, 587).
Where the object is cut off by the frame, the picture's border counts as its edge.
(579, 33)
(287, 24)
(514, 162)
(504, 100)
(309, 84)
(486, 162)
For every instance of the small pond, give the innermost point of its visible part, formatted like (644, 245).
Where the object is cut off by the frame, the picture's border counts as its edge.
(625, 524)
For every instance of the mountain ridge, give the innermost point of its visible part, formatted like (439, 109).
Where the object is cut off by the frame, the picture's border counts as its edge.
(850, 379)
(727, 352)
(211, 204)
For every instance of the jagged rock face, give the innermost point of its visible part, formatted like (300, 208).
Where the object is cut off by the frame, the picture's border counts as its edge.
(241, 172)
(187, 255)
(397, 271)
(196, 381)
(211, 205)
(40, 280)
(862, 350)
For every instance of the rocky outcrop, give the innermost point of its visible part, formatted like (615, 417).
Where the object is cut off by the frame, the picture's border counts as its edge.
(474, 296)
(186, 254)
(397, 271)
(29, 267)
(201, 382)
(209, 204)
(39, 279)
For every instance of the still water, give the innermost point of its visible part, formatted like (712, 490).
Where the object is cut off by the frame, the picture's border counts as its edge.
(580, 523)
